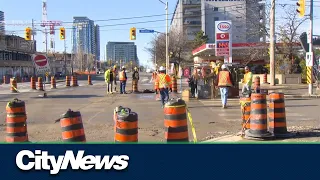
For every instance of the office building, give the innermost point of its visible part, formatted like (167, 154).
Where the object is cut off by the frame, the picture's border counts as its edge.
(2, 26)
(247, 16)
(124, 51)
(86, 36)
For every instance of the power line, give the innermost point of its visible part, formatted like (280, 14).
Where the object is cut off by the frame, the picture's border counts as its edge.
(143, 22)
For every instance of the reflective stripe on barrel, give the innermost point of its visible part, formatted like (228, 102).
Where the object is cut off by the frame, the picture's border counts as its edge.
(176, 124)
(258, 114)
(16, 122)
(68, 81)
(126, 127)
(72, 127)
(277, 114)
(174, 84)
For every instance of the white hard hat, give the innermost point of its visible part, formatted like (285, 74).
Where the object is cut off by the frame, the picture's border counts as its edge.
(123, 67)
(162, 68)
(223, 66)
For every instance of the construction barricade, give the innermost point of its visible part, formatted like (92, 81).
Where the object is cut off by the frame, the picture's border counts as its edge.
(74, 81)
(245, 103)
(89, 80)
(126, 125)
(258, 118)
(277, 116)
(16, 122)
(67, 81)
(72, 127)
(174, 84)
(33, 83)
(53, 82)
(175, 121)
(40, 84)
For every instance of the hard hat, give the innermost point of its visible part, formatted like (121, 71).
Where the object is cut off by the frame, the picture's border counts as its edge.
(135, 68)
(162, 68)
(247, 67)
(223, 66)
(115, 66)
(123, 67)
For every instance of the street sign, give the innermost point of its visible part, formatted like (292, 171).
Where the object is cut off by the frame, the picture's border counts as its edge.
(222, 36)
(223, 44)
(146, 31)
(41, 63)
(309, 59)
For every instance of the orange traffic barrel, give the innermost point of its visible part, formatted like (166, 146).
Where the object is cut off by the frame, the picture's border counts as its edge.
(72, 127)
(89, 80)
(175, 121)
(126, 126)
(277, 115)
(67, 81)
(33, 83)
(245, 103)
(258, 118)
(174, 84)
(16, 121)
(53, 82)
(13, 85)
(40, 84)
(74, 81)
(135, 86)
(257, 84)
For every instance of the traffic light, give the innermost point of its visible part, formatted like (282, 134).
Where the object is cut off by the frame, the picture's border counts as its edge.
(28, 34)
(301, 7)
(62, 33)
(133, 33)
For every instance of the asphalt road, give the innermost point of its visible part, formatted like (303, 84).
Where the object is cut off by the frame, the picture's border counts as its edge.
(96, 108)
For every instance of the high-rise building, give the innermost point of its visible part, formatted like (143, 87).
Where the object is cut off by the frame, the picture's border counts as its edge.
(86, 36)
(97, 41)
(2, 26)
(247, 16)
(124, 51)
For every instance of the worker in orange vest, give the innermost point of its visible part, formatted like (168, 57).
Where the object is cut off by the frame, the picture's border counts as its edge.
(163, 82)
(123, 80)
(224, 82)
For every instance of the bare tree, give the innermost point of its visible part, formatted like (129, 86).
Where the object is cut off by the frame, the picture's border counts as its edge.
(253, 53)
(179, 48)
(289, 36)
(79, 61)
(90, 62)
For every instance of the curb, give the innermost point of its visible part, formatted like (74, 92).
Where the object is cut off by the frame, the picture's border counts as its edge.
(302, 96)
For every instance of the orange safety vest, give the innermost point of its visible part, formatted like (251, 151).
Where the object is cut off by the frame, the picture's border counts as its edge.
(224, 79)
(121, 76)
(163, 81)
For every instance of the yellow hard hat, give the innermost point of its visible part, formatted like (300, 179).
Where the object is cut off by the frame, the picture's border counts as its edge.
(135, 68)
(115, 66)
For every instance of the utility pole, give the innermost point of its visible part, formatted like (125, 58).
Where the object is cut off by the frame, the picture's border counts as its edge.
(167, 39)
(272, 43)
(310, 71)
(65, 57)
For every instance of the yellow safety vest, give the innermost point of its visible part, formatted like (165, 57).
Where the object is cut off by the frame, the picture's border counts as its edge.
(163, 83)
(248, 78)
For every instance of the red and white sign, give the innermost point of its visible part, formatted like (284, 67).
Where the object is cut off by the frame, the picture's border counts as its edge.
(222, 36)
(41, 63)
(186, 72)
(223, 30)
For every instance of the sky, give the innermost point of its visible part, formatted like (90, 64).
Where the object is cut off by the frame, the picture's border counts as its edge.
(17, 11)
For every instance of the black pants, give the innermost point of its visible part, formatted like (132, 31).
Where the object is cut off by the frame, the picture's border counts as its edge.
(193, 89)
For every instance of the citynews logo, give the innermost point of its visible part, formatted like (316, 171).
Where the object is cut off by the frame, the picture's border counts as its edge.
(40, 160)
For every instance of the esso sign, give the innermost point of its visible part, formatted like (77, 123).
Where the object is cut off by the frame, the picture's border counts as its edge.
(224, 26)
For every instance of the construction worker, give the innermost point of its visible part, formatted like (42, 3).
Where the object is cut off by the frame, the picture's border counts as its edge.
(247, 81)
(224, 82)
(163, 82)
(114, 73)
(123, 80)
(108, 77)
(135, 74)
(154, 77)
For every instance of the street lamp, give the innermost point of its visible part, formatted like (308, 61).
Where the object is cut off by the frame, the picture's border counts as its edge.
(167, 37)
